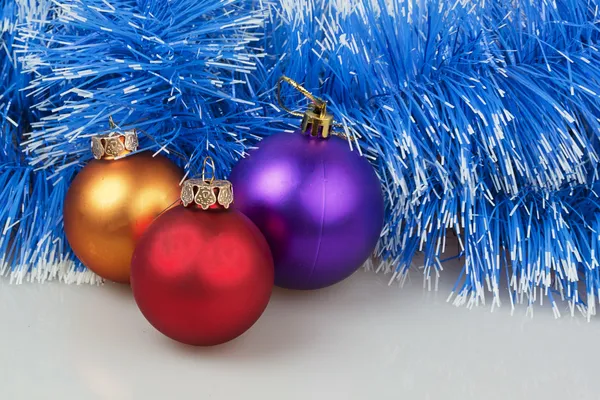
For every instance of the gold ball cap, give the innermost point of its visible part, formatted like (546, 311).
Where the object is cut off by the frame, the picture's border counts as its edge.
(114, 144)
(317, 122)
(207, 193)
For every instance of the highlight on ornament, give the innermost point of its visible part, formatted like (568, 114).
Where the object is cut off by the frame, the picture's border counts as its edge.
(202, 273)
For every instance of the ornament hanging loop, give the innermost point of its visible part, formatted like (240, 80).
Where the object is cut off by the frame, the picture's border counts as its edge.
(315, 100)
(316, 121)
(111, 123)
(208, 161)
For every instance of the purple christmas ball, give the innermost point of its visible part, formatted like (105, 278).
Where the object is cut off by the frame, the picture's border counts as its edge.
(319, 204)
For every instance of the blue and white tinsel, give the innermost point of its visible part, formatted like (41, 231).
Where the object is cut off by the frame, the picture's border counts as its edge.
(481, 117)
(32, 243)
(166, 68)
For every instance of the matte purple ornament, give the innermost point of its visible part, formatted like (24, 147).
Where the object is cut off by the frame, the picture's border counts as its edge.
(319, 204)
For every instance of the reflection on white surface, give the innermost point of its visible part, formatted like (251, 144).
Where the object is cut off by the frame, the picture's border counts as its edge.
(357, 340)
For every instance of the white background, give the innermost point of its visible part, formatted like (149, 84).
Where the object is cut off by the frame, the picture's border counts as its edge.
(360, 339)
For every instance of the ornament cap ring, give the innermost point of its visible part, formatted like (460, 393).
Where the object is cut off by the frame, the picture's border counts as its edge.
(207, 193)
(114, 144)
(212, 194)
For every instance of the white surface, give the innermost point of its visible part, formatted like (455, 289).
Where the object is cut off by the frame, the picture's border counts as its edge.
(357, 340)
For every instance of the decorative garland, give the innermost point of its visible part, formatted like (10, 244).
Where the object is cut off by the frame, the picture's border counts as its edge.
(482, 119)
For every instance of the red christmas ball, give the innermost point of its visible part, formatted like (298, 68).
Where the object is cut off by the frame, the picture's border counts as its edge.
(202, 276)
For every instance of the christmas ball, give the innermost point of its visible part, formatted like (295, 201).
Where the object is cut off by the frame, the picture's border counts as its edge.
(111, 202)
(202, 274)
(319, 205)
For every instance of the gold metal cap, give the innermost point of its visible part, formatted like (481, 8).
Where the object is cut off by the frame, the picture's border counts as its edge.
(316, 121)
(114, 144)
(207, 194)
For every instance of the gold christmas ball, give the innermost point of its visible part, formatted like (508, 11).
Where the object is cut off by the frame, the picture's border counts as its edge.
(111, 202)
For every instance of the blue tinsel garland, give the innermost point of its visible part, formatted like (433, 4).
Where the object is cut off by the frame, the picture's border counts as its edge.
(481, 117)
(166, 68)
(32, 243)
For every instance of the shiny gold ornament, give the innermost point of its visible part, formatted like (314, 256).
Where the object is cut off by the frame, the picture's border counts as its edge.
(113, 200)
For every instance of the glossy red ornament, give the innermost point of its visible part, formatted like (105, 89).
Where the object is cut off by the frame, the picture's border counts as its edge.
(202, 277)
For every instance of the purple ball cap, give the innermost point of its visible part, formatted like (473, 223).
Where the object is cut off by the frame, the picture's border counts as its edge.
(319, 205)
